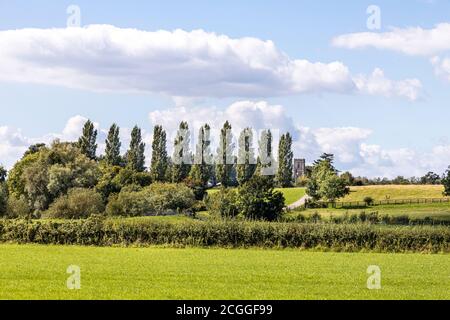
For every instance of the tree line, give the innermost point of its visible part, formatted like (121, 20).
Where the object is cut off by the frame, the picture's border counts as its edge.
(70, 178)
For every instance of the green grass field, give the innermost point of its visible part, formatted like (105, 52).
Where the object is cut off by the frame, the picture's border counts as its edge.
(439, 211)
(39, 272)
(393, 192)
(290, 194)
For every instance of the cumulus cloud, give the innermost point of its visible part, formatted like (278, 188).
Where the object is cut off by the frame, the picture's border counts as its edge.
(441, 67)
(414, 41)
(177, 63)
(378, 84)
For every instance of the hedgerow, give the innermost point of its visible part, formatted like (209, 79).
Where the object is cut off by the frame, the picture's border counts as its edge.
(232, 234)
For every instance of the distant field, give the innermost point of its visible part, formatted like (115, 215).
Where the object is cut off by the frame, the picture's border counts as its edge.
(439, 211)
(393, 192)
(290, 194)
(39, 272)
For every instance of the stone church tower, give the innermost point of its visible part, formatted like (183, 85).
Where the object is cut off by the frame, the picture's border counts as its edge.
(299, 168)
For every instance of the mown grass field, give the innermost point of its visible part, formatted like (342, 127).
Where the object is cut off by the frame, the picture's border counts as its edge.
(394, 192)
(290, 194)
(39, 272)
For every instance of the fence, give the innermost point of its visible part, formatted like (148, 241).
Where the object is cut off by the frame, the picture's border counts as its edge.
(358, 204)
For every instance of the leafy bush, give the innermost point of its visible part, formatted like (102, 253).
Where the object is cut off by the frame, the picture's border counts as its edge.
(257, 199)
(158, 198)
(368, 201)
(18, 207)
(223, 203)
(228, 233)
(78, 203)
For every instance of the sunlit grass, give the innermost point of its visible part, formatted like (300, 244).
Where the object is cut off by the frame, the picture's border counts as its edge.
(39, 272)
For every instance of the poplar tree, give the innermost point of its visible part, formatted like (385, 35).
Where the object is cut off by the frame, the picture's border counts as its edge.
(182, 157)
(246, 164)
(160, 162)
(285, 159)
(266, 161)
(87, 141)
(113, 144)
(201, 171)
(135, 154)
(225, 160)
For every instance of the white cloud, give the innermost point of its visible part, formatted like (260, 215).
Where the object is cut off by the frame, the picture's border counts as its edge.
(12, 145)
(378, 84)
(414, 41)
(177, 63)
(441, 67)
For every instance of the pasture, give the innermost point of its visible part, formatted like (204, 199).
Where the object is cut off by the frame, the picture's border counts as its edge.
(39, 272)
(394, 192)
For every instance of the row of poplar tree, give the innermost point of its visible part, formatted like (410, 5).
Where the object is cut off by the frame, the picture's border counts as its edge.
(201, 166)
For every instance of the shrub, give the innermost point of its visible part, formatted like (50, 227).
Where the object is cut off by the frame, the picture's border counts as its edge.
(223, 203)
(158, 198)
(258, 200)
(130, 204)
(228, 233)
(78, 203)
(18, 207)
(368, 201)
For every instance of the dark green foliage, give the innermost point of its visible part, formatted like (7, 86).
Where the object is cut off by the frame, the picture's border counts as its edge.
(113, 144)
(78, 203)
(324, 182)
(160, 161)
(369, 201)
(135, 154)
(258, 200)
(3, 199)
(87, 141)
(234, 234)
(446, 182)
(285, 161)
(3, 174)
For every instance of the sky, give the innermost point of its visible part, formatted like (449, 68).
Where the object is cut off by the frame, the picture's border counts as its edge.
(366, 80)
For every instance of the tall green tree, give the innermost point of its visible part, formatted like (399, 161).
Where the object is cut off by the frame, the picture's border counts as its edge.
(246, 163)
(113, 144)
(266, 165)
(324, 182)
(135, 154)
(87, 141)
(202, 169)
(182, 157)
(225, 159)
(285, 161)
(160, 162)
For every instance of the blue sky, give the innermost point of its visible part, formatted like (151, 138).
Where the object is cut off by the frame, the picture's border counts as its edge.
(394, 130)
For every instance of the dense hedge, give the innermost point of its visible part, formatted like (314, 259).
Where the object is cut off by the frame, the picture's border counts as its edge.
(347, 237)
